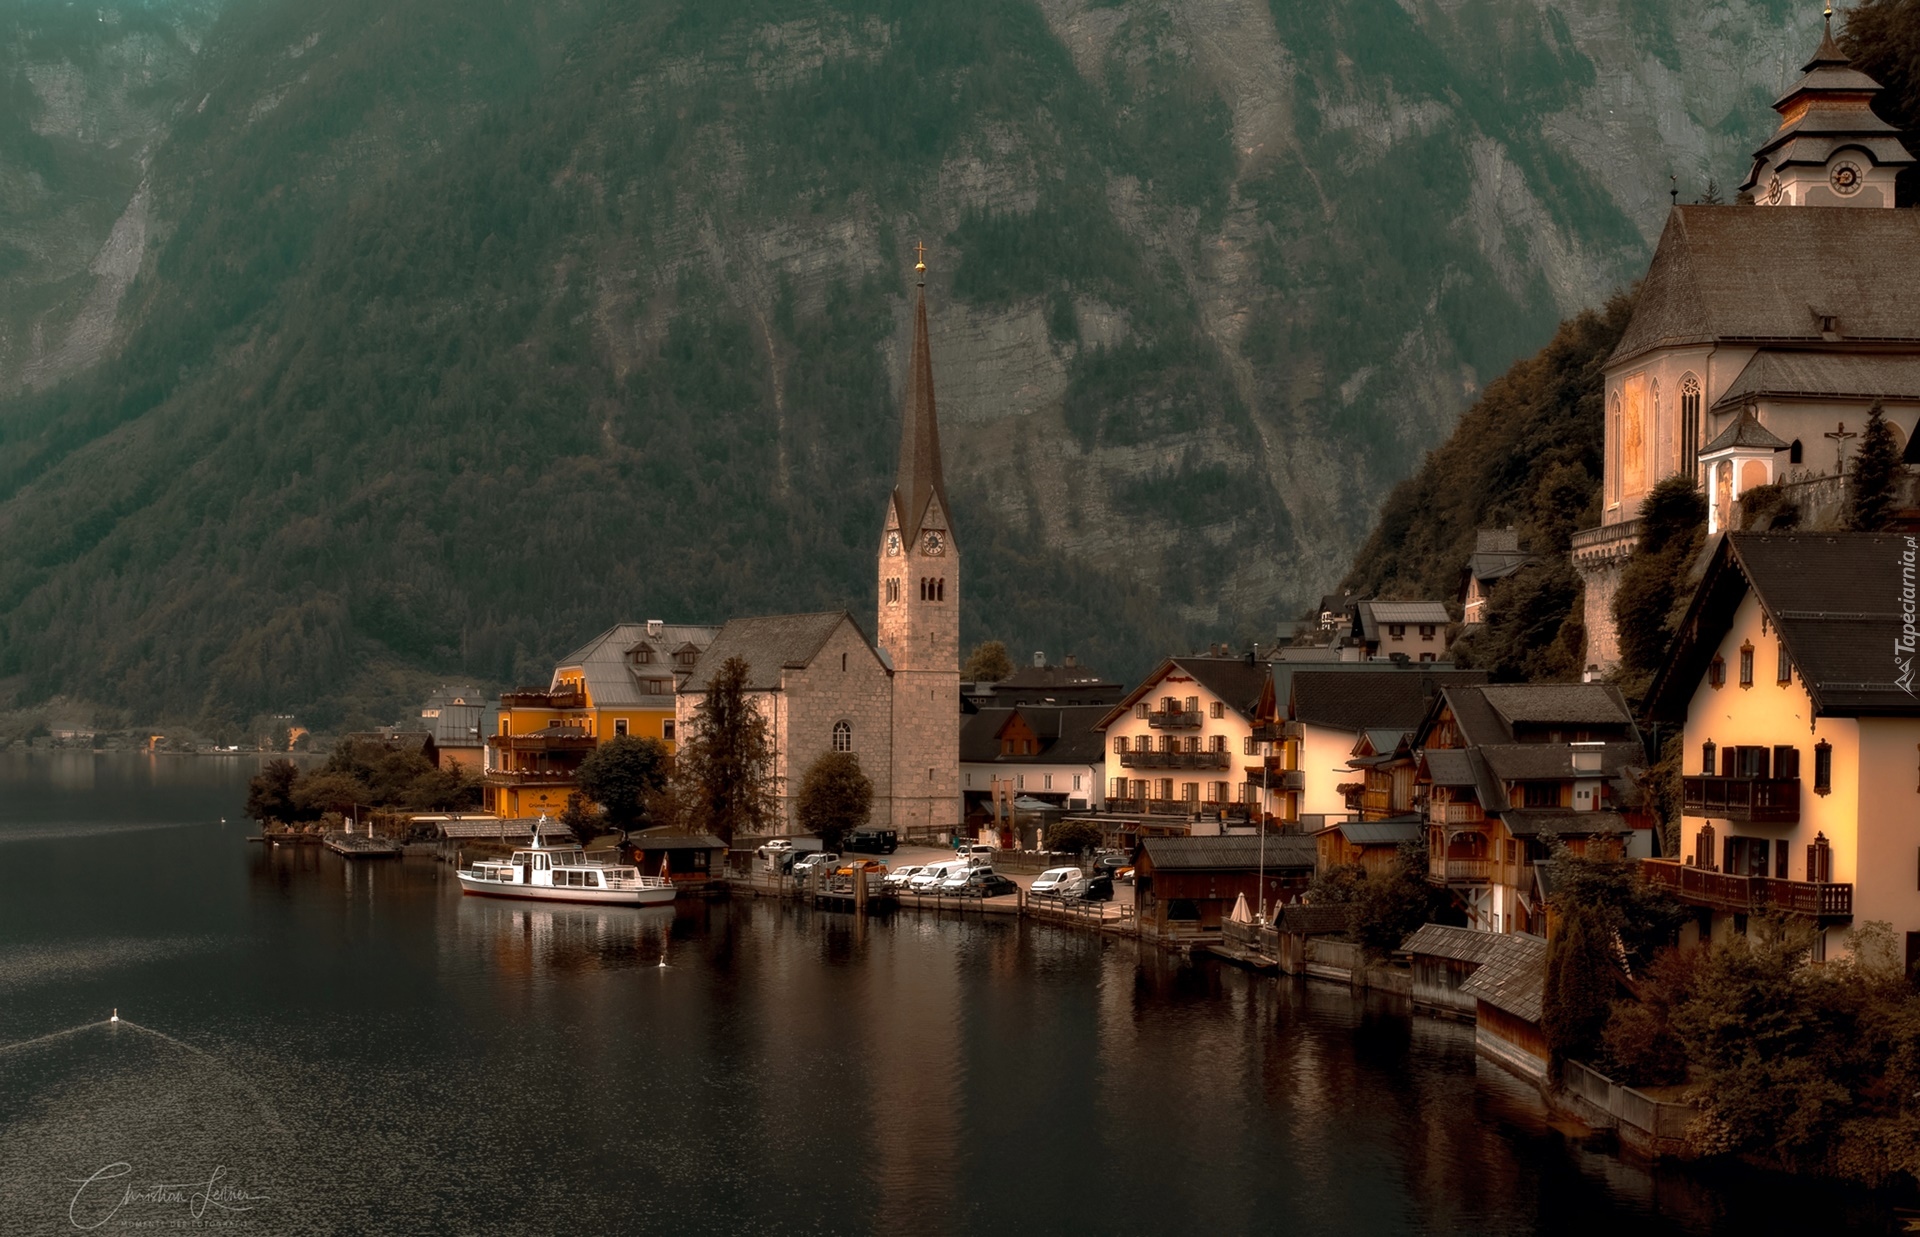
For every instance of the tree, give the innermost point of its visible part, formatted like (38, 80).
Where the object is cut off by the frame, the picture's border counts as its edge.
(723, 772)
(1874, 476)
(836, 797)
(988, 663)
(1074, 837)
(1391, 905)
(270, 793)
(622, 775)
(1648, 604)
(1581, 980)
(331, 791)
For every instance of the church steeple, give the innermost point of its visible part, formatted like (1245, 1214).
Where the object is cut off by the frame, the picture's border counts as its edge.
(1830, 149)
(919, 484)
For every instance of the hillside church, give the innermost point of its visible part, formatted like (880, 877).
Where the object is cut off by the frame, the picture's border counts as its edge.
(824, 686)
(1766, 331)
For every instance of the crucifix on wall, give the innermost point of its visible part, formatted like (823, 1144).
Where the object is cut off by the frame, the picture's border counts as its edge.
(1840, 437)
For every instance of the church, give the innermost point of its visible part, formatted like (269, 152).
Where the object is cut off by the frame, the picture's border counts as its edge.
(1766, 331)
(824, 686)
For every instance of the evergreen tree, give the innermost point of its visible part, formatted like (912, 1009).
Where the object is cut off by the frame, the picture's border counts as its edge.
(1581, 978)
(836, 797)
(1874, 476)
(723, 772)
(1653, 585)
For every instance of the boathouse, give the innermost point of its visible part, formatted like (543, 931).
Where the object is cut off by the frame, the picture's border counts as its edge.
(682, 857)
(1508, 990)
(1186, 886)
(1442, 960)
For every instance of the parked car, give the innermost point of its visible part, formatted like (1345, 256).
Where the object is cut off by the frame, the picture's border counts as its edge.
(897, 879)
(1050, 883)
(874, 841)
(1097, 888)
(847, 867)
(928, 879)
(956, 881)
(1107, 865)
(817, 861)
(1123, 877)
(977, 848)
(986, 883)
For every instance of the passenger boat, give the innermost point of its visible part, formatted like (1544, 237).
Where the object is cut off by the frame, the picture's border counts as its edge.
(563, 874)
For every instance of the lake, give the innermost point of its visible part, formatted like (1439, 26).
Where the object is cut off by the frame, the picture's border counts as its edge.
(308, 1045)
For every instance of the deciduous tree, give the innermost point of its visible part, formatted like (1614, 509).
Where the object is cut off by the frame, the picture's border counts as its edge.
(988, 663)
(622, 775)
(836, 797)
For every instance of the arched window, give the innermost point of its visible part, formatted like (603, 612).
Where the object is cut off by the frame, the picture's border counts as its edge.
(940, 589)
(1796, 453)
(842, 737)
(1690, 426)
(1613, 449)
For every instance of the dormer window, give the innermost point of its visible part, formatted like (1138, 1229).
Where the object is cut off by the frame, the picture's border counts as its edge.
(643, 655)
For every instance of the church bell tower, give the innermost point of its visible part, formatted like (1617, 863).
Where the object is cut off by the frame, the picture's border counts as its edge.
(919, 604)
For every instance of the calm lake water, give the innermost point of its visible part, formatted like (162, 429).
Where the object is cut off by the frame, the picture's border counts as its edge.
(355, 1048)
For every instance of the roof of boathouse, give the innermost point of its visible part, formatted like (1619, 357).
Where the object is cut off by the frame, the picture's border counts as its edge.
(1513, 976)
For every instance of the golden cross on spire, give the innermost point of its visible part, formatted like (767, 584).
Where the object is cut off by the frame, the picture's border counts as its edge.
(921, 249)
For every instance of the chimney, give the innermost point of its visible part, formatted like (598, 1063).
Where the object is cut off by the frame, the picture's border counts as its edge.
(655, 627)
(1039, 660)
(1070, 662)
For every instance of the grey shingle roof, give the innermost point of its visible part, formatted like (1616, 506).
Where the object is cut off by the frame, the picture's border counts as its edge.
(614, 680)
(768, 645)
(1742, 273)
(1448, 766)
(1824, 375)
(1066, 734)
(1558, 704)
(1371, 614)
(1391, 699)
(1833, 597)
(1745, 431)
(1230, 854)
(1524, 762)
(1435, 940)
(1513, 975)
(1532, 822)
(1382, 832)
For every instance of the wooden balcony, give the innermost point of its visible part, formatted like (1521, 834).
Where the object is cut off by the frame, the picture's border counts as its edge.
(578, 742)
(1174, 760)
(1753, 800)
(1723, 891)
(1184, 719)
(1455, 814)
(543, 700)
(1269, 774)
(529, 777)
(1278, 732)
(1451, 871)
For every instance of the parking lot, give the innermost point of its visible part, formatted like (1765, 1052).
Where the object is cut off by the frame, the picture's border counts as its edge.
(913, 856)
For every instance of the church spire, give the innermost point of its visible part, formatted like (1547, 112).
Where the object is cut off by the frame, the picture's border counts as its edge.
(919, 483)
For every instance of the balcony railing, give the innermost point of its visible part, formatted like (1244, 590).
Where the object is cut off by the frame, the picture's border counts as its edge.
(1725, 891)
(1274, 778)
(1455, 814)
(581, 742)
(529, 777)
(1174, 760)
(1170, 719)
(1278, 732)
(543, 700)
(1757, 800)
(1460, 869)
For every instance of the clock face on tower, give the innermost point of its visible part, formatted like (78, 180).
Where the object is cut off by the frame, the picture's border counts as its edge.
(933, 543)
(1774, 189)
(893, 543)
(1845, 179)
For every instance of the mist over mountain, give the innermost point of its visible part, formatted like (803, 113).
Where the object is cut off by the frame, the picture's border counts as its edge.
(343, 343)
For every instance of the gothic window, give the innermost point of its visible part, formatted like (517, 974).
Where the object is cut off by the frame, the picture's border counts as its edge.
(842, 737)
(940, 589)
(1796, 453)
(1690, 426)
(893, 592)
(1612, 467)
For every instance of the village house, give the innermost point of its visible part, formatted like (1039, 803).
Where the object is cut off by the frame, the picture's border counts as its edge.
(1052, 754)
(457, 719)
(1505, 771)
(1179, 745)
(1763, 334)
(1792, 675)
(621, 682)
(1370, 844)
(1415, 630)
(1496, 555)
(1042, 683)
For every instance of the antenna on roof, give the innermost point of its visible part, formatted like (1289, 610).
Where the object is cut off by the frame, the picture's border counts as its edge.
(1673, 188)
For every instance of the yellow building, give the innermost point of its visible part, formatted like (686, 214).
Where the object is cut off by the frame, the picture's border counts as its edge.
(621, 682)
(1794, 676)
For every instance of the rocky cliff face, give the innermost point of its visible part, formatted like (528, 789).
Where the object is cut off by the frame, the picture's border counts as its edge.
(1208, 276)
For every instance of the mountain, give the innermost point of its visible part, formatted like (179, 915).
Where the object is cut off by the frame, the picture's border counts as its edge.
(421, 337)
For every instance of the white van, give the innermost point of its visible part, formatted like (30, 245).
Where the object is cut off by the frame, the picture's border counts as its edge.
(927, 879)
(1054, 882)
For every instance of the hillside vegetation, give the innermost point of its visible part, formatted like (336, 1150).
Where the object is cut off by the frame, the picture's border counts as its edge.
(454, 334)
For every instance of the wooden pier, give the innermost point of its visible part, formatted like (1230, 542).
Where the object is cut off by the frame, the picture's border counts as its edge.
(361, 846)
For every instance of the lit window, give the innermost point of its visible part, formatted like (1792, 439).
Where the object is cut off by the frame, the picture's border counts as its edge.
(842, 737)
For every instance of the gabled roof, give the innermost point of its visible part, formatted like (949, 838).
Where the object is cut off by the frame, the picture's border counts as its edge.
(1390, 832)
(1744, 431)
(1532, 762)
(768, 645)
(1824, 375)
(1826, 110)
(1066, 735)
(612, 678)
(1835, 599)
(1236, 680)
(1767, 275)
(1446, 766)
(1391, 700)
(1370, 614)
(1563, 822)
(1513, 976)
(1557, 704)
(1231, 853)
(1496, 554)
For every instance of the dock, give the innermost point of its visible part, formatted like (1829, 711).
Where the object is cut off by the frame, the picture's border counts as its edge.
(361, 846)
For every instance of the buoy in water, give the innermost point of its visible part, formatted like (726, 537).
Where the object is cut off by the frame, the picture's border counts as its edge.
(116, 1014)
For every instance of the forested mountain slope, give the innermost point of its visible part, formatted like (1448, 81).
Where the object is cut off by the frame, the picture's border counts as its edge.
(454, 333)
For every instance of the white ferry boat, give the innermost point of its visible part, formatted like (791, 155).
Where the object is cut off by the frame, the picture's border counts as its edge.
(563, 874)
